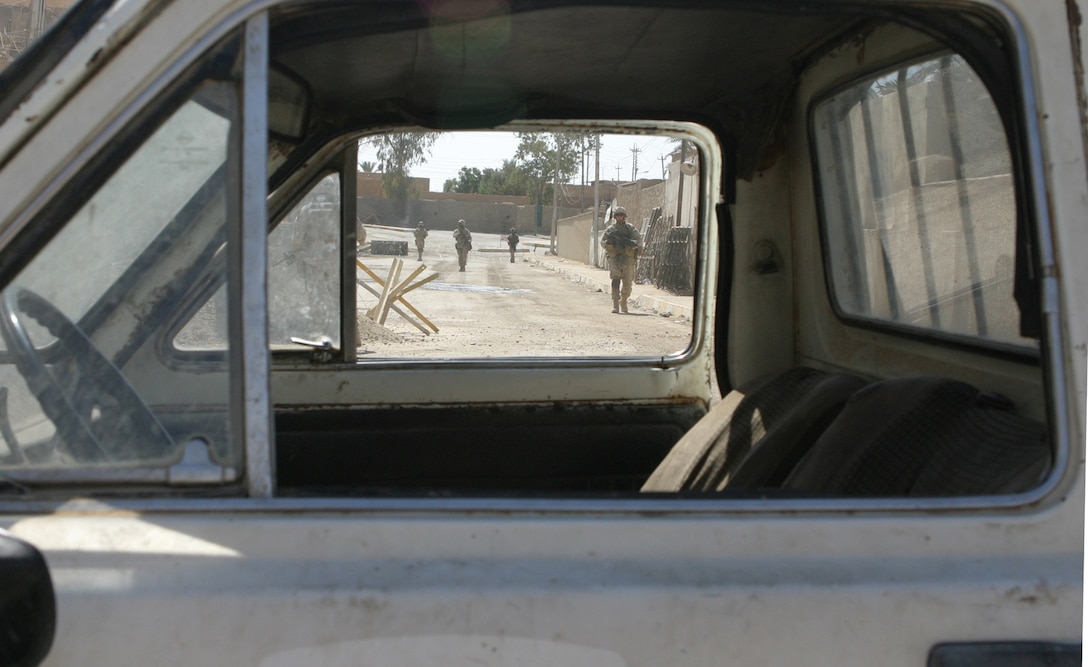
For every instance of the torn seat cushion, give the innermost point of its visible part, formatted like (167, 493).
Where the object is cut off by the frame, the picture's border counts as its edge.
(924, 436)
(756, 435)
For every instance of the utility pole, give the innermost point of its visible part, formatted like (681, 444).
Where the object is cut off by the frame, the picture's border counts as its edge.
(582, 190)
(37, 19)
(596, 200)
(662, 159)
(634, 162)
(617, 173)
(680, 182)
(555, 192)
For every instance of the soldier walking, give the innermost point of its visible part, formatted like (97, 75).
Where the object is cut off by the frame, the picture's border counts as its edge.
(622, 245)
(420, 233)
(462, 241)
(512, 240)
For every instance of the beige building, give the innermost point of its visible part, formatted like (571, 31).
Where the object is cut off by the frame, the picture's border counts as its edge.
(655, 207)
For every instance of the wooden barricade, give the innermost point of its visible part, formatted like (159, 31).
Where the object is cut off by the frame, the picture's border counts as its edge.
(393, 291)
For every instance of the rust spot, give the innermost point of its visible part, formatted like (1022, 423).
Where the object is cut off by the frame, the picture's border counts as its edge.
(1040, 593)
(1075, 19)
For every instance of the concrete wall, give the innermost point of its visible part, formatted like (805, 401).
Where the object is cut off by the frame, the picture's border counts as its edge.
(572, 237)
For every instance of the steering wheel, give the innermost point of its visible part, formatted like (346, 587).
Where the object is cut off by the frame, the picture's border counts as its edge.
(97, 414)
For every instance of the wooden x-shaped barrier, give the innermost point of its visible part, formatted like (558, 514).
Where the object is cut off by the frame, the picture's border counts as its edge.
(393, 291)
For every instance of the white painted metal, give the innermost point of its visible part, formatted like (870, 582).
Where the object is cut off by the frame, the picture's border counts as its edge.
(279, 588)
(249, 323)
(277, 582)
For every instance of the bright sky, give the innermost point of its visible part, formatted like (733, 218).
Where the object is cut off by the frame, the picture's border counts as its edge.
(454, 150)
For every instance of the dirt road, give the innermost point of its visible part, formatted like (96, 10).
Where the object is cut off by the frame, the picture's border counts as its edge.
(496, 308)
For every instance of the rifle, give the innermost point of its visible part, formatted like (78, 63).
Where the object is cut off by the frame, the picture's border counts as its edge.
(620, 242)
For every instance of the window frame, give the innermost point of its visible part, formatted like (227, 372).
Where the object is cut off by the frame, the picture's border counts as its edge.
(704, 141)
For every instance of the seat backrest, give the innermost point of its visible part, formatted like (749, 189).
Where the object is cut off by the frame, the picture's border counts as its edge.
(924, 436)
(768, 424)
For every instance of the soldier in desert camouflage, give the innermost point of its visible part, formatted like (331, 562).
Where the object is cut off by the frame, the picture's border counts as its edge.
(512, 240)
(622, 244)
(420, 232)
(462, 240)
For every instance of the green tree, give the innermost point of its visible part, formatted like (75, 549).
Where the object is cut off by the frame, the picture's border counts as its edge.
(546, 158)
(397, 153)
(468, 181)
(509, 179)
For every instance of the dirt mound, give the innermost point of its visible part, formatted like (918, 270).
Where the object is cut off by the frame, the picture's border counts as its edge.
(369, 330)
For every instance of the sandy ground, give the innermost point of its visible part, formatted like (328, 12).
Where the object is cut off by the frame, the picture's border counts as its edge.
(496, 308)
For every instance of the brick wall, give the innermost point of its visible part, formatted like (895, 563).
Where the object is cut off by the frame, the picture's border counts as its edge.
(489, 218)
(369, 184)
(471, 198)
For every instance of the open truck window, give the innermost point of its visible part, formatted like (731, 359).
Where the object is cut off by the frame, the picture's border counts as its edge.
(510, 256)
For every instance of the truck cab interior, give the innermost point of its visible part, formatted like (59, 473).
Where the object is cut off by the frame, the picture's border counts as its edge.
(867, 427)
(898, 348)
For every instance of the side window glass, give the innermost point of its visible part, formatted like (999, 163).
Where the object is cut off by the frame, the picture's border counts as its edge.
(919, 203)
(304, 269)
(81, 377)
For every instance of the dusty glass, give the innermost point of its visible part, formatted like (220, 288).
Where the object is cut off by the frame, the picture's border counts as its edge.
(919, 201)
(78, 382)
(304, 269)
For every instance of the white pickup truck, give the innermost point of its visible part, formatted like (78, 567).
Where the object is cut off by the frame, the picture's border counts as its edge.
(867, 447)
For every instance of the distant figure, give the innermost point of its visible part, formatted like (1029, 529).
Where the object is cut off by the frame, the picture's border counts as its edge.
(512, 240)
(462, 240)
(420, 233)
(360, 233)
(622, 244)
